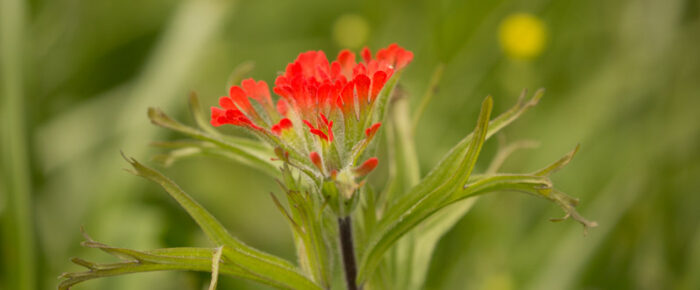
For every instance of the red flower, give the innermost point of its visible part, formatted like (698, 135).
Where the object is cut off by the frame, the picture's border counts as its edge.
(315, 93)
(312, 86)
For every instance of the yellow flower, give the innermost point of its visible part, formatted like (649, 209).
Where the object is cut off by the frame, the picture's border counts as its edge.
(522, 36)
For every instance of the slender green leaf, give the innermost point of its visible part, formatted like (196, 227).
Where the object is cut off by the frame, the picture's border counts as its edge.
(264, 265)
(449, 165)
(133, 261)
(425, 237)
(414, 207)
(559, 164)
(254, 156)
(307, 214)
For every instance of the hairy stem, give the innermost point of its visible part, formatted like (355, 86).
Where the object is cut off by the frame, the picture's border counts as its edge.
(348, 250)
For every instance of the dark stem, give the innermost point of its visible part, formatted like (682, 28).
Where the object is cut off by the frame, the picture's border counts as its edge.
(348, 249)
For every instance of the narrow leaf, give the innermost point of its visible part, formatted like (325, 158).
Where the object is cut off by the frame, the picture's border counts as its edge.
(264, 265)
(247, 151)
(559, 164)
(189, 259)
(414, 207)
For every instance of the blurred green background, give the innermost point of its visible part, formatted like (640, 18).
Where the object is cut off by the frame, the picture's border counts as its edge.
(622, 79)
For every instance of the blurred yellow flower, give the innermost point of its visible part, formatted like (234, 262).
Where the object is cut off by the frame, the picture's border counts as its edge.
(350, 31)
(522, 36)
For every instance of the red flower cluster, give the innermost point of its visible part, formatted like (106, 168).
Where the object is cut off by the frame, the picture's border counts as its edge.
(316, 93)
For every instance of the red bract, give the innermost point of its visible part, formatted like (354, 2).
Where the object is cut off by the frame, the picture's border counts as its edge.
(315, 94)
(367, 166)
(311, 85)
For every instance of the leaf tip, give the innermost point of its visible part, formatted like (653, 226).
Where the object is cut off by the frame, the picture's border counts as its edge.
(536, 98)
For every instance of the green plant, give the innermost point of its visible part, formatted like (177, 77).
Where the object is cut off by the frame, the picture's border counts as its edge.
(377, 237)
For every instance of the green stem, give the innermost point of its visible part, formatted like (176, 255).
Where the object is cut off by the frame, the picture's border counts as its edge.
(18, 244)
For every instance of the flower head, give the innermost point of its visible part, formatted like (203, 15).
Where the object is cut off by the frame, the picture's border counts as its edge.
(325, 111)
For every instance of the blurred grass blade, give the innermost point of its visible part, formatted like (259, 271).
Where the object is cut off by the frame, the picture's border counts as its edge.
(404, 171)
(414, 207)
(17, 224)
(198, 116)
(426, 237)
(265, 266)
(570, 254)
(239, 73)
(428, 96)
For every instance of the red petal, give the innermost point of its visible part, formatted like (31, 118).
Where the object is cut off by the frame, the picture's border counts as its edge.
(378, 81)
(217, 113)
(319, 133)
(282, 107)
(316, 160)
(257, 90)
(348, 97)
(366, 167)
(366, 54)
(372, 130)
(240, 99)
(324, 119)
(285, 123)
(308, 124)
(227, 103)
(403, 58)
(362, 83)
(347, 61)
(330, 131)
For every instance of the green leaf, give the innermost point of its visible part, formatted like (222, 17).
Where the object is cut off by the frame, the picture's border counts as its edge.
(559, 164)
(446, 167)
(308, 214)
(533, 184)
(133, 261)
(270, 268)
(415, 250)
(421, 202)
(253, 154)
(188, 148)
